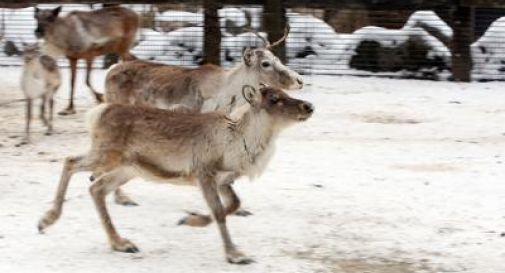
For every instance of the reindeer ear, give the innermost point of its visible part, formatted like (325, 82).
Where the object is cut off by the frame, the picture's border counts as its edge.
(56, 11)
(250, 94)
(247, 56)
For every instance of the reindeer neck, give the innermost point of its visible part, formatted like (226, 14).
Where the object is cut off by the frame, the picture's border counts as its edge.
(237, 77)
(254, 133)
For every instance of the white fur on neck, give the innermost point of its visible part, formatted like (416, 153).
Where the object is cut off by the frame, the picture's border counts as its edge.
(253, 143)
(232, 84)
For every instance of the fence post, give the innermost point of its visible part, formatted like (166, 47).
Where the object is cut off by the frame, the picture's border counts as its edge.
(212, 33)
(275, 23)
(462, 21)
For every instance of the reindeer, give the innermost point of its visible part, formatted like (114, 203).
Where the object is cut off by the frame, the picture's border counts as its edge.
(208, 149)
(41, 79)
(86, 35)
(203, 89)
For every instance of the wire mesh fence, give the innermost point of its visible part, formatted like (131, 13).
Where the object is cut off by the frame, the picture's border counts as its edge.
(396, 43)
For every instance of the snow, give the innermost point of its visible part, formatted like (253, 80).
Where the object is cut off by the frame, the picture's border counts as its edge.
(429, 18)
(488, 53)
(151, 44)
(179, 16)
(234, 15)
(389, 176)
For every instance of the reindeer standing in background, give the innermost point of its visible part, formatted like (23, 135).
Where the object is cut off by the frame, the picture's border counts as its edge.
(86, 35)
(41, 79)
(203, 89)
(209, 149)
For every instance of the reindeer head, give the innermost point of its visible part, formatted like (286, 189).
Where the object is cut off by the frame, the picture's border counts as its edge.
(269, 68)
(277, 104)
(30, 52)
(45, 18)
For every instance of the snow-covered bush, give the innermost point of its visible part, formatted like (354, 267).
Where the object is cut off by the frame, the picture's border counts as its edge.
(488, 53)
(428, 18)
(411, 48)
(174, 19)
(308, 36)
(150, 44)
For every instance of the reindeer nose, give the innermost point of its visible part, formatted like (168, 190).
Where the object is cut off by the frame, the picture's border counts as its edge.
(307, 107)
(39, 33)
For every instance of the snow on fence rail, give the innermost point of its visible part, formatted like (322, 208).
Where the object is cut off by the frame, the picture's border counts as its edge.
(400, 45)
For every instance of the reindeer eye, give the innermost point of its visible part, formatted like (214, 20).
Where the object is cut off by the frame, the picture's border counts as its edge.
(273, 99)
(265, 64)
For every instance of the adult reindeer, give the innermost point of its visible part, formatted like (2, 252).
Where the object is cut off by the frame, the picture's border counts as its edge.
(209, 149)
(86, 35)
(203, 89)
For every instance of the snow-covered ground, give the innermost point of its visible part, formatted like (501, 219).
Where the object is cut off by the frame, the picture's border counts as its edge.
(389, 176)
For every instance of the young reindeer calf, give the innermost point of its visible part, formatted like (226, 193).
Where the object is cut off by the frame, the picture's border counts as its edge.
(41, 79)
(210, 149)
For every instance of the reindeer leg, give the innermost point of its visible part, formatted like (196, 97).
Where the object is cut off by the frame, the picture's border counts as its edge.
(51, 110)
(72, 165)
(121, 198)
(26, 139)
(89, 68)
(42, 114)
(99, 190)
(231, 206)
(208, 186)
(73, 70)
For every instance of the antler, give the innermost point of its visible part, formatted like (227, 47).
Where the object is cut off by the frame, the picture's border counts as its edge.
(276, 43)
(265, 41)
(269, 45)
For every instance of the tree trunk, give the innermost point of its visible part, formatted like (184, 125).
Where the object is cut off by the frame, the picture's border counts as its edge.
(462, 24)
(274, 16)
(212, 35)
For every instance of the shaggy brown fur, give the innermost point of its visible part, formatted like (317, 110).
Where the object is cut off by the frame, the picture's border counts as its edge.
(86, 35)
(210, 149)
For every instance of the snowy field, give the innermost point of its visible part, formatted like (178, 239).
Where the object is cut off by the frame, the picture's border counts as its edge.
(389, 176)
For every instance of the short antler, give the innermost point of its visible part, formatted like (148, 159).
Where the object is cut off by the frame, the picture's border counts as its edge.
(269, 45)
(276, 43)
(265, 41)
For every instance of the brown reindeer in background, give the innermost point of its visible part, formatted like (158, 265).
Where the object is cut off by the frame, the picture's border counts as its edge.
(209, 149)
(86, 35)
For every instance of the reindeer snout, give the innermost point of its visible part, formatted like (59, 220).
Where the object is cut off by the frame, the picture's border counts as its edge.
(307, 107)
(39, 33)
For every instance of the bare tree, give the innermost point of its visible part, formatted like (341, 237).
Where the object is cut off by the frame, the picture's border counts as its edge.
(212, 35)
(274, 22)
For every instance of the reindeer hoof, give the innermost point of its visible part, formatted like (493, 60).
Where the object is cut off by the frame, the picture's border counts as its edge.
(48, 219)
(124, 245)
(99, 98)
(48, 133)
(132, 250)
(236, 257)
(243, 213)
(67, 111)
(129, 203)
(194, 219)
(123, 200)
